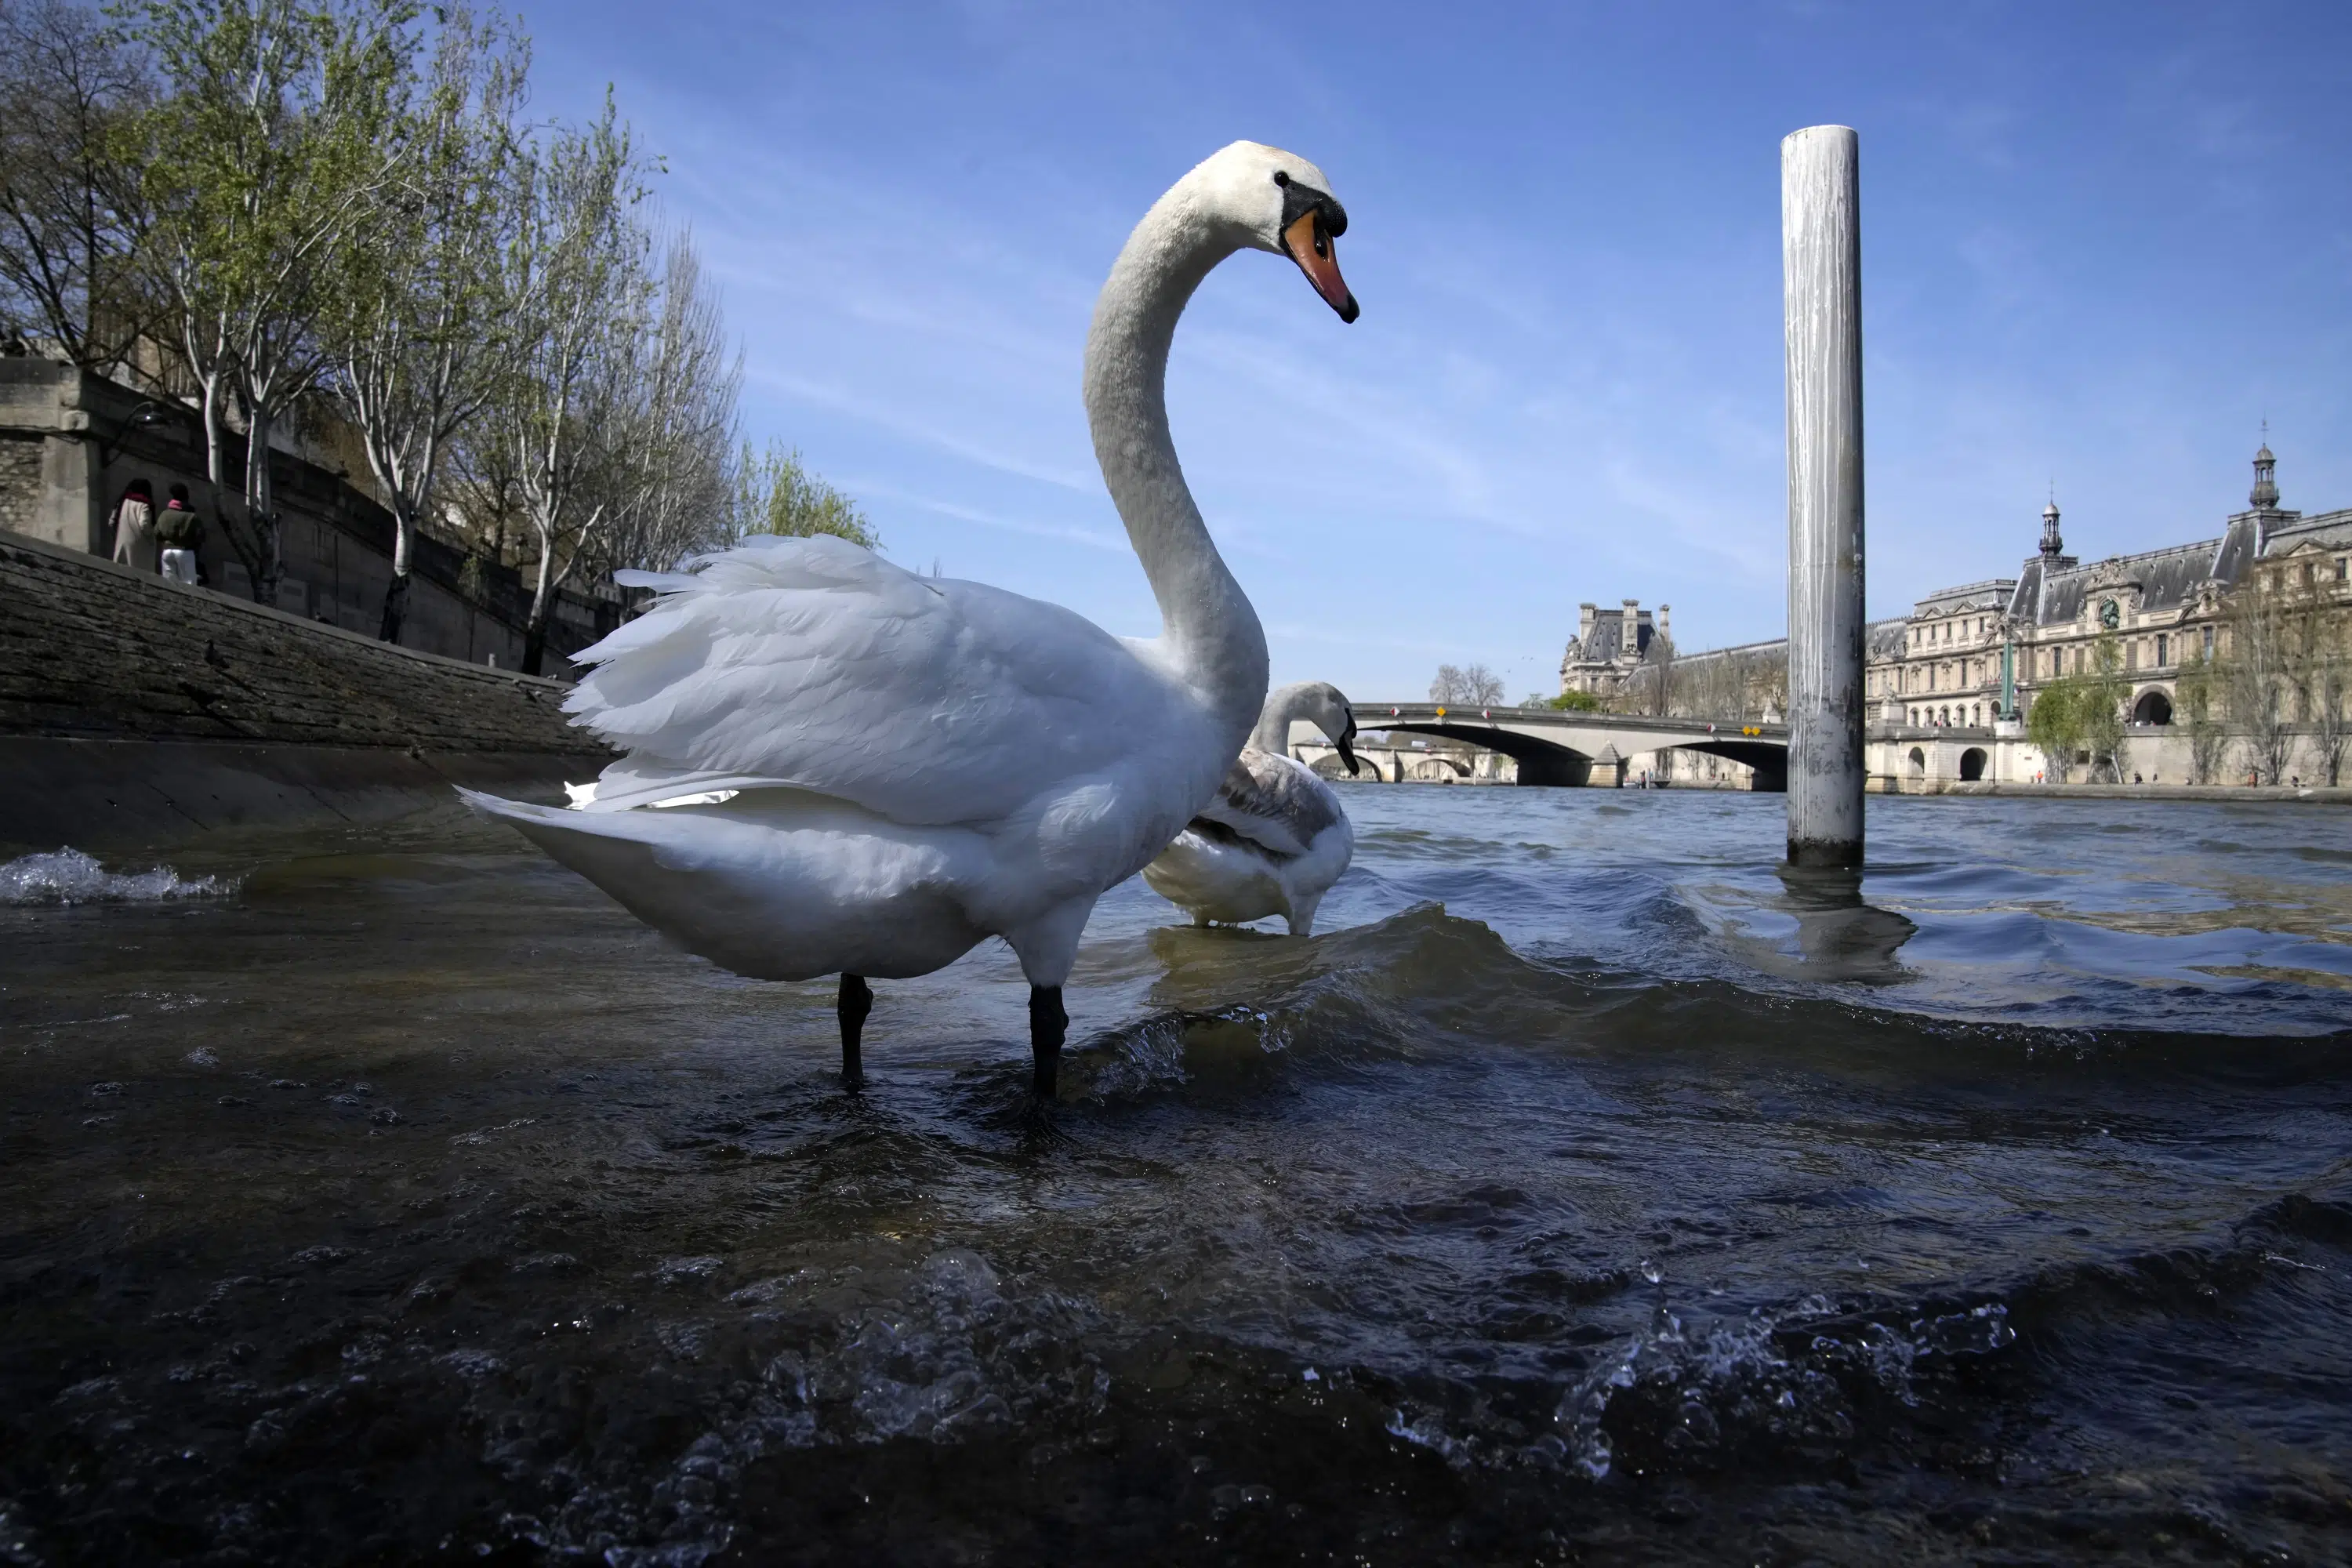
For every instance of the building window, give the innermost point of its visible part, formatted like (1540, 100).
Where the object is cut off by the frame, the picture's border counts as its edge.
(2131, 654)
(2209, 642)
(2160, 650)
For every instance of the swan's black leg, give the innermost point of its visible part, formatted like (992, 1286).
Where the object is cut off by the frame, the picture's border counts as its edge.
(1047, 1024)
(856, 1001)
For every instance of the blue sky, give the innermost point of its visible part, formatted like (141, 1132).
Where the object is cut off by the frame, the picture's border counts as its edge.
(2101, 243)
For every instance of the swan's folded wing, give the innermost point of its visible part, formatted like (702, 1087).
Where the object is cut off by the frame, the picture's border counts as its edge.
(1275, 803)
(810, 663)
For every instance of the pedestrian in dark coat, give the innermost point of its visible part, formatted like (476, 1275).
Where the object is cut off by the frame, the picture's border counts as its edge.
(181, 533)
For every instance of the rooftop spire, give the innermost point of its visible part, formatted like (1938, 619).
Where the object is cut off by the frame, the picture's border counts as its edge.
(2053, 546)
(2264, 495)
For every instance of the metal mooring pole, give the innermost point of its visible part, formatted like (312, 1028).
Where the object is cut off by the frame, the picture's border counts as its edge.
(1821, 243)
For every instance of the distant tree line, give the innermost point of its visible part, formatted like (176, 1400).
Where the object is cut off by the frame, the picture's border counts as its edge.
(336, 218)
(1474, 686)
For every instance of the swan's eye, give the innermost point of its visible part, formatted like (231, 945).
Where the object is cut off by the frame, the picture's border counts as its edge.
(1282, 179)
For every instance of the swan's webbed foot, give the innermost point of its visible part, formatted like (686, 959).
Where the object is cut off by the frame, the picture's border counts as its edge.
(1048, 1023)
(856, 1001)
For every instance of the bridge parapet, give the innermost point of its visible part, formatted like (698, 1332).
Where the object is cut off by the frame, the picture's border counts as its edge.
(1394, 715)
(1555, 746)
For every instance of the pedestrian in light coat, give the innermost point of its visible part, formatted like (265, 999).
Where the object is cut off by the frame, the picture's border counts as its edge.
(134, 527)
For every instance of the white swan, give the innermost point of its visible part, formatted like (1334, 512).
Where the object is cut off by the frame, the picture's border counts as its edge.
(920, 764)
(1274, 838)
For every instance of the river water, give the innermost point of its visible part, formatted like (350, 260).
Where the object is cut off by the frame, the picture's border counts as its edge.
(1586, 1192)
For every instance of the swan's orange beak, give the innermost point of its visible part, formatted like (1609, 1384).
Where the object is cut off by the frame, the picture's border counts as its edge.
(1309, 243)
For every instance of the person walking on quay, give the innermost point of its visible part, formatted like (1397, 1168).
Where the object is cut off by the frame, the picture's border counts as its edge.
(134, 526)
(181, 533)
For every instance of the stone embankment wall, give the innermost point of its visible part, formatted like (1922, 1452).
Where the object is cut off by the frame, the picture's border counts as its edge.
(129, 705)
(70, 442)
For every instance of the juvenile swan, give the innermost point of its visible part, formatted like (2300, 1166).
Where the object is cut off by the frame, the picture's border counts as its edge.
(922, 764)
(1274, 838)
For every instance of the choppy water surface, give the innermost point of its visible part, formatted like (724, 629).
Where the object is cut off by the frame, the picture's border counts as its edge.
(1588, 1192)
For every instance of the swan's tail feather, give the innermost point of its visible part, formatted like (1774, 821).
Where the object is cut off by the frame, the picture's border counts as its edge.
(789, 891)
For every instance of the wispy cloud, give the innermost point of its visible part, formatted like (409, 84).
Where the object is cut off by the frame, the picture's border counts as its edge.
(842, 401)
(1093, 538)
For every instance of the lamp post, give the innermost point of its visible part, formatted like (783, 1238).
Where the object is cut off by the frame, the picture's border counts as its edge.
(148, 412)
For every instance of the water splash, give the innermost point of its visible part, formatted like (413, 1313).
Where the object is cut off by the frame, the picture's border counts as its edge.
(69, 877)
(1812, 1376)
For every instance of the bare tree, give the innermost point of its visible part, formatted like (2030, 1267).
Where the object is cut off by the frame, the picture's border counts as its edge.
(1474, 686)
(2330, 701)
(2200, 703)
(418, 329)
(275, 142)
(1710, 685)
(576, 282)
(73, 96)
(1658, 674)
(2316, 669)
(2257, 677)
(677, 422)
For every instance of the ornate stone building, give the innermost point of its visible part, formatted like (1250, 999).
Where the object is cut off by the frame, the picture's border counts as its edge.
(1609, 648)
(1950, 686)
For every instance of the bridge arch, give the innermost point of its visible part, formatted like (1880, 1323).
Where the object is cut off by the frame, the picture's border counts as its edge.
(1545, 760)
(1540, 762)
(1329, 766)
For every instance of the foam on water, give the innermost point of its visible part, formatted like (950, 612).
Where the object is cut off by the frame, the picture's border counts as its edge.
(71, 877)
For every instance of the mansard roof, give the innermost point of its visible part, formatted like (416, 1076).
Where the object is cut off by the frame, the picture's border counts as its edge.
(2240, 547)
(1993, 594)
(2324, 530)
(2047, 595)
(1606, 642)
(2170, 578)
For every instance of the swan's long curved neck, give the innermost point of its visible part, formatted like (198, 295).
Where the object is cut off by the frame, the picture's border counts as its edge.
(1290, 703)
(1210, 630)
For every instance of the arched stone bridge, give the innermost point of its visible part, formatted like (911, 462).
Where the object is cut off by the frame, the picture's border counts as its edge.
(1553, 747)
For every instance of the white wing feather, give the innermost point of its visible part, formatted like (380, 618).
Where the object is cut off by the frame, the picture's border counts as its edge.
(810, 663)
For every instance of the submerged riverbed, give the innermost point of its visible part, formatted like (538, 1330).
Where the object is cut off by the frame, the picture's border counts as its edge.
(1587, 1192)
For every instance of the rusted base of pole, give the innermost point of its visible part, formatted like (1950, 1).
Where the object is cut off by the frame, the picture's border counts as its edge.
(1825, 854)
